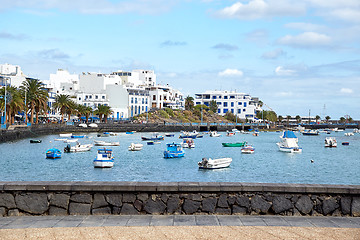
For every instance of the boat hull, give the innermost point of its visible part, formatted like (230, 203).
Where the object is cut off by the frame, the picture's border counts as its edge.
(103, 163)
(215, 163)
(240, 144)
(170, 154)
(290, 150)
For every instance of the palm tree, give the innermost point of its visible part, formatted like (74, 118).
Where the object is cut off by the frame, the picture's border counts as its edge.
(36, 94)
(317, 117)
(189, 103)
(71, 108)
(298, 119)
(87, 112)
(288, 119)
(103, 110)
(327, 118)
(280, 118)
(342, 120)
(61, 103)
(14, 103)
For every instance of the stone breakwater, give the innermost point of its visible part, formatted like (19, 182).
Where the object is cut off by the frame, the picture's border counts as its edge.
(131, 198)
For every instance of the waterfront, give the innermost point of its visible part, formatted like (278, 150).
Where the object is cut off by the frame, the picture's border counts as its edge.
(22, 161)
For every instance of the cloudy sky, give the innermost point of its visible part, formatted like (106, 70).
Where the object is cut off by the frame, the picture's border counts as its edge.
(294, 55)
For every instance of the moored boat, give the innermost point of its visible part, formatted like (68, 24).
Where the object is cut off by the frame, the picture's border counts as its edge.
(289, 143)
(77, 136)
(154, 137)
(188, 143)
(104, 134)
(169, 134)
(345, 143)
(135, 147)
(214, 163)
(330, 142)
(248, 149)
(214, 134)
(174, 150)
(192, 134)
(104, 158)
(103, 143)
(53, 153)
(237, 144)
(78, 148)
(153, 142)
(35, 141)
(65, 134)
(310, 132)
(230, 134)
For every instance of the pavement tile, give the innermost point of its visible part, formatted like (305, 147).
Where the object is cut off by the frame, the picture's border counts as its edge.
(229, 220)
(93, 221)
(186, 220)
(299, 222)
(275, 221)
(116, 220)
(345, 222)
(162, 220)
(206, 220)
(70, 221)
(135, 220)
(322, 222)
(252, 221)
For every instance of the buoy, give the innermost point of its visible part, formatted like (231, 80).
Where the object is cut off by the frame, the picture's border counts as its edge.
(312, 161)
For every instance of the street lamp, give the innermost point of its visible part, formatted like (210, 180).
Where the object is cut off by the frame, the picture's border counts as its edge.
(5, 97)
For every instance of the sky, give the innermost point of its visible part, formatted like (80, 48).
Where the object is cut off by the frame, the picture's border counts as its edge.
(295, 55)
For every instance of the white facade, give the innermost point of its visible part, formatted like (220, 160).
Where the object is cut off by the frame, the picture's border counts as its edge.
(147, 77)
(95, 82)
(240, 104)
(14, 73)
(165, 96)
(139, 101)
(62, 82)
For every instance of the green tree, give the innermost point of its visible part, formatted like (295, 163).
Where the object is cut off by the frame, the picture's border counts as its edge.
(317, 117)
(62, 102)
(280, 119)
(327, 118)
(288, 117)
(342, 120)
(14, 103)
(103, 111)
(213, 106)
(298, 119)
(189, 103)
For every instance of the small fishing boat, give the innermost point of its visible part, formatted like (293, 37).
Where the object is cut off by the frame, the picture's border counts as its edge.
(104, 134)
(311, 132)
(154, 137)
(169, 134)
(129, 132)
(104, 158)
(174, 150)
(230, 134)
(330, 142)
(135, 147)
(93, 125)
(349, 134)
(83, 125)
(153, 142)
(289, 143)
(53, 153)
(103, 143)
(214, 134)
(235, 130)
(345, 143)
(188, 143)
(256, 134)
(112, 134)
(77, 136)
(214, 163)
(65, 134)
(71, 140)
(78, 148)
(60, 139)
(186, 134)
(248, 149)
(35, 141)
(200, 136)
(237, 144)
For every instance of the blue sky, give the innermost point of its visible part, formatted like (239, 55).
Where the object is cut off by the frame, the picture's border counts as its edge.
(295, 56)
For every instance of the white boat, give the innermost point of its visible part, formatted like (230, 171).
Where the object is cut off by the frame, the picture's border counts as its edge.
(330, 142)
(188, 143)
(135, 147)
(103, 143)
(93, 125)
(230, 134)
(214, 163)
(289, 143)
(356, 130)
(248, 149)
(214, 134)
(112, 134)
(60, 139)
(185, 134)
(71, 140)
(83, 125)
(349, 134)
(78, 148)
(235, 130)
(104, 158)
(65, 134)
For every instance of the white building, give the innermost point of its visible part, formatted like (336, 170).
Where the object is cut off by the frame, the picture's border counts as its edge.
(166, 96)
(240, 104)
(62, 82)
(14, 73)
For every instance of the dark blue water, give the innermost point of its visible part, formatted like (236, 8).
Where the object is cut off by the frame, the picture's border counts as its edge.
(22, 161)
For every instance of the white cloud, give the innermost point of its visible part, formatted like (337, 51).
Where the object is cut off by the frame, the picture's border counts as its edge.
(282, 71)
(308, 27)
(306, 39)
(273, 54)
(346, 90)
(284, 94)
(256, 9)
(231, 73)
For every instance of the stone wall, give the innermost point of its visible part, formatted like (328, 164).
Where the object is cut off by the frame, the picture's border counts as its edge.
(129, 198)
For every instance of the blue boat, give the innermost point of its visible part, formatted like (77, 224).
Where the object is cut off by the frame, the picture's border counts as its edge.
(153, 142)
(169, 134)
(174, 150)
(155, 137)
(129, 132)
(77, 136)
(53, 153)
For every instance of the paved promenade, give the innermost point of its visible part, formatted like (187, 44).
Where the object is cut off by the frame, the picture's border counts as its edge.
(179, 227)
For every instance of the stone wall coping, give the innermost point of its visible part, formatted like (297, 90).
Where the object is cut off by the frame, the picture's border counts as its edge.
(95, 186)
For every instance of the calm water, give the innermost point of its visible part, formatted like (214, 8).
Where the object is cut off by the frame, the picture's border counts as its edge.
(22, 161)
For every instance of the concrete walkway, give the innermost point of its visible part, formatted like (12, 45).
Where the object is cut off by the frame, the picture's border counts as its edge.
(179, 227)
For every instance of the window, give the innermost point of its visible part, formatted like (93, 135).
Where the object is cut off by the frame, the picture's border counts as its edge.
(135, 100)
(232, 110)
(218, 103)
(142, 101)
(219, 97)
(244, 110)
(225, 97)
(232, 96)
(239, 110)
(225, 110)
(96, 97)
(213, 97)
(160, 97)
(142, 108)
(103, 97)
(206, 103)
(90, 96)
(219, 110)
(239, 103)
(79, 98)
(146, 101)
(198, 103)
(132, 100)
(232, 104)
(225, 104)
(244, 104)
(154, 97)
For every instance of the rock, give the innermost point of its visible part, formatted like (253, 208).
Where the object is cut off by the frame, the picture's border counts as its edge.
(231, 200)
(236, 210)
(304, 205)
(57, 211)
(60, 200)
(143, 196)
(222, 202)
(164, 197)
(79, 208)
(154, 207)
(209, 205)
(190, 206)
(35, 203)
(355, 207)
(259, 205)
(7, 200)
(128, 209)
(173, 204)
(138, 205)
(99, 201)
(128, 197)
(345, 204)
(114, 199)
(81, 198)
(195, 197)
(243, 201)
(101, 211)
(329, 206)
(281, 204)
(13, 213)
(2, 211)
(116, 210)
(223, 211)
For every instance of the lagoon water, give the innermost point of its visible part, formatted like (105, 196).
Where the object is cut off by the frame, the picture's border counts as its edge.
(22, 161)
